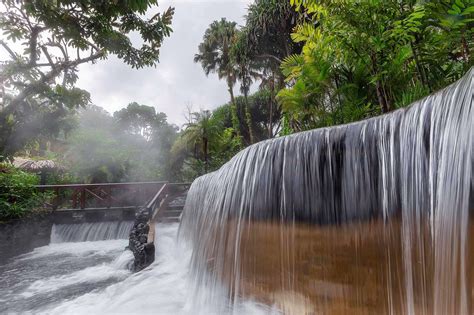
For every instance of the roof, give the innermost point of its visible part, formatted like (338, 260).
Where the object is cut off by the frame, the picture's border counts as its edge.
(34, 166)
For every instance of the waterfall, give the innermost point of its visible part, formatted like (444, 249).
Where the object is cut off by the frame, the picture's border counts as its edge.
(84, 232)
(394, 191)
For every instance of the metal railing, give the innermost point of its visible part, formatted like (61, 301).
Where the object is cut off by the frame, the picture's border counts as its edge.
(97, 196)
(159, 201)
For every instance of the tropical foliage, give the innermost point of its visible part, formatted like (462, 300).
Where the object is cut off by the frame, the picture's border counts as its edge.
(46, 42)
(362, 58)
(317, 63)
(17, 192)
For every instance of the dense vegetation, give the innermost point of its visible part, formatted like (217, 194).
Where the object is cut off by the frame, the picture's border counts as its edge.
(320, 63)
(362, 58)
(17, 192)
(46, 41)
(56, 37)
(294, 65)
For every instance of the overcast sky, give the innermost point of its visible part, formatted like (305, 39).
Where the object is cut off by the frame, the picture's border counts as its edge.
(177, 81)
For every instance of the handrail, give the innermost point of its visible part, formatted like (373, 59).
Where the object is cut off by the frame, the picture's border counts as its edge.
(98, 185)
(153, 200)
(101, 194)
(153, 210)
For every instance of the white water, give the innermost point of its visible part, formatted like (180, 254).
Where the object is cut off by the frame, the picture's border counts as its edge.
(414, 165)
(84, 232)
(92, 278)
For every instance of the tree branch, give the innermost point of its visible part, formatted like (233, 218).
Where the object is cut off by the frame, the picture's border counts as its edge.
(36, 86)
(9, 50)
(63, 51)
(269, 56)
(50, 61)
(33, 43)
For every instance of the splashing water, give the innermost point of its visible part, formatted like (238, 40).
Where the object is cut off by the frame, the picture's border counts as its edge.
(93, 278)
(369, 217)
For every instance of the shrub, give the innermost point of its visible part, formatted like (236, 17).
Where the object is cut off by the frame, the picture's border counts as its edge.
(18, 195)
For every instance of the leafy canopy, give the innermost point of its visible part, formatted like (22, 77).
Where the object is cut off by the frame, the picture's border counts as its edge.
(58, 35)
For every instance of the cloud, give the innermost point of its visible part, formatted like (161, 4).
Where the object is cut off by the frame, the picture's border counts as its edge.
(177, 81)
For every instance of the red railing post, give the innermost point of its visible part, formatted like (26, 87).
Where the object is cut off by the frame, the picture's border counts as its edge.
(56, 199)
(74, 198)
(109, 197)
(83, 198)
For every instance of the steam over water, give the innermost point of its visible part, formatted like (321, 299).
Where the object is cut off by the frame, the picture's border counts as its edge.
(370, 217)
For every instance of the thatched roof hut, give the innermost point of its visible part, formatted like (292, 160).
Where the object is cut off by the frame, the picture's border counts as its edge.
(36, 166)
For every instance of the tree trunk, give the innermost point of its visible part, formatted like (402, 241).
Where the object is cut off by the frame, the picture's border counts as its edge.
(419, 68)
(235, 114)
(272, 100)
(206, 153)
(248, 118)
(381, 96)
(465, 50)
(339, 98)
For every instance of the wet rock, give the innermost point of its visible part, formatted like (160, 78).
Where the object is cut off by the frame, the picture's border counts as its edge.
(143, 252)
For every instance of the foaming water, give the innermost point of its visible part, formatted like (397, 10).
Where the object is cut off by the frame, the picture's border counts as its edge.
(84, 232)
(93, 278)
(399, 185)
(57, 272)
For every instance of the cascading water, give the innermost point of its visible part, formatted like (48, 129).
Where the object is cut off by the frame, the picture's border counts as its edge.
(369, 217)
(88, 232)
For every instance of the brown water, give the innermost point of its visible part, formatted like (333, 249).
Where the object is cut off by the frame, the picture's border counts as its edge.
(356, 268)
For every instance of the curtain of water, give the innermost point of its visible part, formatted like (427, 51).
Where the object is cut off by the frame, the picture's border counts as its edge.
(88, 232)
(369, 216)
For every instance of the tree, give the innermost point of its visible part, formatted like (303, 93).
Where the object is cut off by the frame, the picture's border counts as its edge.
(206, 143)
(33, 123)
(139, 120)
(46, 41)
(94, 152)
(106, 148)
(215, 54)
(143, 121)
(268, 28)
(200, 131)
(246, 70)
(264, 42)
(60, 35)
(255, 107)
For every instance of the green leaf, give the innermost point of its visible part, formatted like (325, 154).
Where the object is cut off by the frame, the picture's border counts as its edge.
(460, 4)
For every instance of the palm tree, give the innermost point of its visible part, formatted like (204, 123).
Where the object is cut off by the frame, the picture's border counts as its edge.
(200, 130)
(246, 71)
(215, 54)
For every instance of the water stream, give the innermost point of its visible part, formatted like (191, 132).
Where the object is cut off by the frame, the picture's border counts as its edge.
(91, 277)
